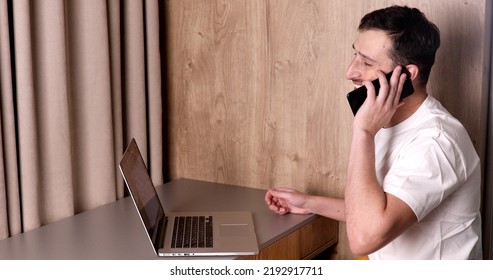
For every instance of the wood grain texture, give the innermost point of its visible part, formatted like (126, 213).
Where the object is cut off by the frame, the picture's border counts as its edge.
(257, 96)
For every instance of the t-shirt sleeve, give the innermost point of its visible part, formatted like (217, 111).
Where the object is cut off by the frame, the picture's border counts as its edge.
(425, 172)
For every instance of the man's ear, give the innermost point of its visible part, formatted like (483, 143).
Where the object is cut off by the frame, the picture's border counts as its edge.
(413, 70)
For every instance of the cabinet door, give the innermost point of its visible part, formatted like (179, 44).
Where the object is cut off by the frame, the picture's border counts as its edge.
(287, 248)
(304, 243)
(318, 236)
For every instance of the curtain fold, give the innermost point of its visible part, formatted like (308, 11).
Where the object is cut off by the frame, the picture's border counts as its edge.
(79, 79)
(10, 215)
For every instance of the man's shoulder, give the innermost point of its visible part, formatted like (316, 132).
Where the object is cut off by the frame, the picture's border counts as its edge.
(434, 117)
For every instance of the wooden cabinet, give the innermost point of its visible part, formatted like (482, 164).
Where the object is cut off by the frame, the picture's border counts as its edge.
(318, 236)
(304, 243)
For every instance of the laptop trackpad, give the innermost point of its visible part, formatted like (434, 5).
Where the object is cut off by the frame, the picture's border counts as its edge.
(233, 230)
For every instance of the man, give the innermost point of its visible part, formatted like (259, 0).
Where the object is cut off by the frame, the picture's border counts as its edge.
(413, 178)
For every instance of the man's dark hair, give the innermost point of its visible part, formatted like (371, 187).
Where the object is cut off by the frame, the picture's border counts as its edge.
(415, 38)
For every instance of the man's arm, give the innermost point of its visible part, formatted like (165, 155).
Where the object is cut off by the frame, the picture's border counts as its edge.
(373, 217)
(284, 200)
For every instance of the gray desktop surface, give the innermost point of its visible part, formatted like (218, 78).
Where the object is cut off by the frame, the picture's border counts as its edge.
(114, 231)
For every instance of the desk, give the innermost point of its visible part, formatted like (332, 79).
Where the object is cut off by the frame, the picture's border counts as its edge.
(114, 231)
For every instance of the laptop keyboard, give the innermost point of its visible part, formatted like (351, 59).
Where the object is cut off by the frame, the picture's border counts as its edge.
(192, 232)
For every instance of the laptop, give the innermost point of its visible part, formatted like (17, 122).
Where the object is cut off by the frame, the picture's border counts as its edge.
(185, 233)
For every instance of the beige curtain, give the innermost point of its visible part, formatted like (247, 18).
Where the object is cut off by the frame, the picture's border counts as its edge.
(78, 80)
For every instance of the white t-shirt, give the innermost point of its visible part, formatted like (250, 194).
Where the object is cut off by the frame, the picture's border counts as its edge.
(429, 162)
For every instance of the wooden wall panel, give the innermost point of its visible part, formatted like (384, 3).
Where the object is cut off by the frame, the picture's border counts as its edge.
(256, 89)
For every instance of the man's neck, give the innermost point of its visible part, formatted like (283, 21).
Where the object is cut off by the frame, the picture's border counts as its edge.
(411, 105)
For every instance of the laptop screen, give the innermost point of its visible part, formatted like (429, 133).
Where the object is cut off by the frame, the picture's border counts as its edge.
(142, 190)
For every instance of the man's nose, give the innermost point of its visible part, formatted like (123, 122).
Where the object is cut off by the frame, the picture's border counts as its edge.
(351, 73)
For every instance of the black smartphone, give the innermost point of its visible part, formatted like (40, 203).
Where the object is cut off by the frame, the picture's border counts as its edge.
(357, 97)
